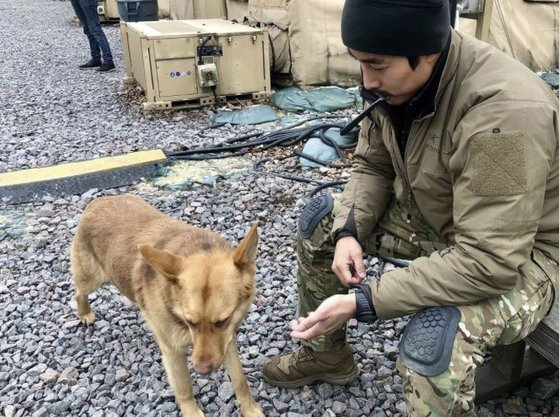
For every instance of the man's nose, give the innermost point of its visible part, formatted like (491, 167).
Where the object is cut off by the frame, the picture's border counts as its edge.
(370, 80)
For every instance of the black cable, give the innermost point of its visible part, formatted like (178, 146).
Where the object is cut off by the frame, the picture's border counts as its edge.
(244, 137)
(283, 137)
(330, 142)
(289, 177)
(353, 124)
(263, 161)
(214, 156)
(327, 140)
(320, 185)
(201, 133)
(200, 60)
(214, 90)
(289, 136)
(320, 161)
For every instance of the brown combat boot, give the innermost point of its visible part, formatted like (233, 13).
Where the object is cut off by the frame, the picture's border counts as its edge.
(306, 366)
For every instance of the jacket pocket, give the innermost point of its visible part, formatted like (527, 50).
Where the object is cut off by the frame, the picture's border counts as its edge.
(498, 164)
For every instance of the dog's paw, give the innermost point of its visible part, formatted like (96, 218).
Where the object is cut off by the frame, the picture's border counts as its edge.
(88, 318)
(191, 410)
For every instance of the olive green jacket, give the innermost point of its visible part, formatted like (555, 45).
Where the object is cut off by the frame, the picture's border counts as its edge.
(482, 171)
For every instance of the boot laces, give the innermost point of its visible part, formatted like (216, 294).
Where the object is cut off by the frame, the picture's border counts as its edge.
(303, 354)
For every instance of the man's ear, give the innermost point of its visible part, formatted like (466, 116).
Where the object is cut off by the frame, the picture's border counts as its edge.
(163, 262)
(245, 254)
(431, 59)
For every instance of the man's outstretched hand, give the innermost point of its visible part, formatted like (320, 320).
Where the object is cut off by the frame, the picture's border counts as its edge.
(330, 315)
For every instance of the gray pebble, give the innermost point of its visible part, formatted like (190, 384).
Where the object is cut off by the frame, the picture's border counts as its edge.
(41, 412)
(69, 376)
(225, 391)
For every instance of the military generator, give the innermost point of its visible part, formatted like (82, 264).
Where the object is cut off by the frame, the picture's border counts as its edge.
(192, 63)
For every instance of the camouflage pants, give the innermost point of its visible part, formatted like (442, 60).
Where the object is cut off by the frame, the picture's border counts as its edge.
(501, 320)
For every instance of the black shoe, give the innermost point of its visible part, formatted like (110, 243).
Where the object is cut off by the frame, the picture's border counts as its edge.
(105, 68)
(90, 64)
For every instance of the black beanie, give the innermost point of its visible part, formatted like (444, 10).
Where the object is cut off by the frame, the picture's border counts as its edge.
(396, 27)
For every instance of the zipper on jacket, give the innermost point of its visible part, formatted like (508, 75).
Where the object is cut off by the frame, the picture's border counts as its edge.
(394, 144)
(404, 157)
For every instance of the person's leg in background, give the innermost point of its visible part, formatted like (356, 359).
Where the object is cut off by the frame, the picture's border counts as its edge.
(95, 33)
(95, 60)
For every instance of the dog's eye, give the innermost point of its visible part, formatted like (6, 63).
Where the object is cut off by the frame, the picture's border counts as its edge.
(191, 324)
(221, 323)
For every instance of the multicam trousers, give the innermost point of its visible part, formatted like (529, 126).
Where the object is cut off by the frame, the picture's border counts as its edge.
(501, 320)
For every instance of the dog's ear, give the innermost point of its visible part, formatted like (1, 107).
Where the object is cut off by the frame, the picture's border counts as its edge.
(167, 264)
(245, 253)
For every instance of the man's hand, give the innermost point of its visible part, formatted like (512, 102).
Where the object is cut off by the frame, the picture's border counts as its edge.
(348, 261)
(330, 315)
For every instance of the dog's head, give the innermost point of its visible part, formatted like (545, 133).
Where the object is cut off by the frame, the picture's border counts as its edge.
(211, 291)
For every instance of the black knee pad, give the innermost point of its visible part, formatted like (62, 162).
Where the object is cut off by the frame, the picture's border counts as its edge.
(426, 345)
(313, 213)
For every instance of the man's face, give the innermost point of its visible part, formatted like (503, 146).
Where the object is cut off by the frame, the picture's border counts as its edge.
(392, 76)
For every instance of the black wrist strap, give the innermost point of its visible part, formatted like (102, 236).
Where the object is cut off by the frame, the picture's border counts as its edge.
(343, 233)
(365, 310)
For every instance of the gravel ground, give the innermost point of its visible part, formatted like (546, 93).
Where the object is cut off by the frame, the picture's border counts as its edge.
(51, 112)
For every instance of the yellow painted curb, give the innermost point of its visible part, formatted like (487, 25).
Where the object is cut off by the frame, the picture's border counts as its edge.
(72, 169)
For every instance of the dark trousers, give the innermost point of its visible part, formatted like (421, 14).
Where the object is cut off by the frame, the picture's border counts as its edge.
(86, 10)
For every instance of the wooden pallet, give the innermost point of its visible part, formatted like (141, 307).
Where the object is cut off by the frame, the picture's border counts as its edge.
(483, 19)
(109, 20)
(201, 101)
(103, 20)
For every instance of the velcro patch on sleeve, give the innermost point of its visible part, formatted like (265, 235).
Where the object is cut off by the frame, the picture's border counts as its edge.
(498, 164)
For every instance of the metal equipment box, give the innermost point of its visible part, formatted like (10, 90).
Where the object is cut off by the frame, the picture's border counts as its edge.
(108, 11)
(467, 7)
(191, 63)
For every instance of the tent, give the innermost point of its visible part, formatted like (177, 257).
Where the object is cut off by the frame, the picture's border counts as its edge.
(307, 46)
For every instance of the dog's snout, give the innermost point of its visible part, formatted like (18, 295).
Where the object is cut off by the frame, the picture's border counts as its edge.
(204, 363)
(203, 368)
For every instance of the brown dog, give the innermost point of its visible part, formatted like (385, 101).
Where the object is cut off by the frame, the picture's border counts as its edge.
(192, 287)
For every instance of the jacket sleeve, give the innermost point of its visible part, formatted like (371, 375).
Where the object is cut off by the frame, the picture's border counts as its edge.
(504, 154)
(369, 189)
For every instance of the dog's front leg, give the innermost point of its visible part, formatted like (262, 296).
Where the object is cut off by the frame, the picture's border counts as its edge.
(249, 407)
(179, 378)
